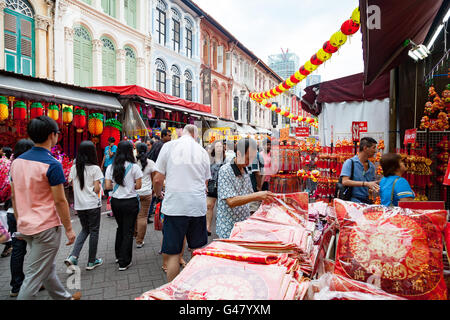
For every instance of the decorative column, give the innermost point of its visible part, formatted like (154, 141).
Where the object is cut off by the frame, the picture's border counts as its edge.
(140, 81)
(97, 46)
(147, 68)
(59, 73)
(42, 23)
(68, 37)
(2, 32)
(120, 66)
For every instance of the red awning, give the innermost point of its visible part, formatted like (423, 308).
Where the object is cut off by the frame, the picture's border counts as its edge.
(155, 96)
(400, 20)
(346, 89)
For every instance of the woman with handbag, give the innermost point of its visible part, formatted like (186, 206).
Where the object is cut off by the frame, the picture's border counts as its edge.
(394, 188)
(86, 177)
(218, 158)
(145, 193)
(124, 177)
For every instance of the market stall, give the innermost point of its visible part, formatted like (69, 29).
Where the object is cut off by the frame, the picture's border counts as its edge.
(158, 110)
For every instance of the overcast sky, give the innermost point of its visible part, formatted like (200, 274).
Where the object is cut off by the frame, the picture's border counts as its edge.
(266, 26)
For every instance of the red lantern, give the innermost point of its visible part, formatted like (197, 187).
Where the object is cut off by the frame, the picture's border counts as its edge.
(349, 27)
(36, 110)
(79, 120)
(315, 61)
(303, 71)
(328, 48)
(20, 110)
(112, 129)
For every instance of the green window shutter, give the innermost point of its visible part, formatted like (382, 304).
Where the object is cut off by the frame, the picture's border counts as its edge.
(130, 66)
(82, 57)
(108, 62)
(109, 6)
(19, 42)
(130, 12)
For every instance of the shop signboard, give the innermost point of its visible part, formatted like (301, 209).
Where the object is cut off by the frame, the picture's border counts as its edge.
(274, 115)
(358, 127)
(302, 132)
(447, 175)
(410, 137)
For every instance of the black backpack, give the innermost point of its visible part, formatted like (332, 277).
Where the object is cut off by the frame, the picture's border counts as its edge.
(342, 192)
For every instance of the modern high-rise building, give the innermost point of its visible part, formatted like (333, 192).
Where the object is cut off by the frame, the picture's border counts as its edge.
(285, 64)
(313, 79)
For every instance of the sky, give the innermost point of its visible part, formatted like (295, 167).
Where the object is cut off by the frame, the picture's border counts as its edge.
(302, 26)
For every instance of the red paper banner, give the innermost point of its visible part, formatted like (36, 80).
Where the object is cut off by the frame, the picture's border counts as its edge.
(410, 136)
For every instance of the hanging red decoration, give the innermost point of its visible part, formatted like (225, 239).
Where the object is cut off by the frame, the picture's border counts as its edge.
(328, 48)
(113, 128)
(316, 61)
(349, 27)
(20, 110)
(36, 110)
(79, 120)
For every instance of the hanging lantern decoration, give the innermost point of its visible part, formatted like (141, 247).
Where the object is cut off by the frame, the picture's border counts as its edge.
(315, 60)
(328, 48)
(36, 110)
(20, 111)
(4, 112)
(356, 16)
(113, 128)
(338, 39)
(95, 124)
(349, 27)
(67, 115)
(79, 120)
(53, 112)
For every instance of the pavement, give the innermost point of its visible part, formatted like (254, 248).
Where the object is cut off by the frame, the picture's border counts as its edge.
(105, 282)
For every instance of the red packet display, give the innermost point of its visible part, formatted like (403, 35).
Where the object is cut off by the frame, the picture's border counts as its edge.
(399, 250)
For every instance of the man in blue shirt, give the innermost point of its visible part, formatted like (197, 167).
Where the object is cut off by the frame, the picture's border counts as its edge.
(363, 178)
(110, 152)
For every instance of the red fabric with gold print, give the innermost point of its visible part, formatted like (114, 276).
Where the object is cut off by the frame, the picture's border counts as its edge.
(399, 250)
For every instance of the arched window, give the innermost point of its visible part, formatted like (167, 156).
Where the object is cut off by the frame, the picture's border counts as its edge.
(175, 80)
(82, 57)
(161, 9)
(109, 7)
(130, 66)
(176, 19)
(189, 28)
(188, 86)
(130, 12)
(19, 37)
(160, 76)
(108, 62)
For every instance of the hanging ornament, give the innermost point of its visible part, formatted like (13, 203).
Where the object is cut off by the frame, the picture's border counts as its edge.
(113, 128)
(310, 67)
(20, 110)
(53, 112)
(323, 55)
(79, 119)
(338, 39)
(36, 110)
(67, 115)
(95, 124)
(349, 27)
(356, 16)
(328, 48)
(4, 108)
(315, 60)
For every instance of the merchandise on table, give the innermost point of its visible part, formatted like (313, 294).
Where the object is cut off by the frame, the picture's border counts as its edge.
(399, 249)
(335, 287)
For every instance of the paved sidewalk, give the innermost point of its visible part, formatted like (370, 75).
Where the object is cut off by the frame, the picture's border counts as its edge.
(106, 282)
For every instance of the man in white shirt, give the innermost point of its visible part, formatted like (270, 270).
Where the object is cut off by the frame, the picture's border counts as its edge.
(185, 167)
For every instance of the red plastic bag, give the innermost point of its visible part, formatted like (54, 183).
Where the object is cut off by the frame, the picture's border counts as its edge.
(158, 223)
